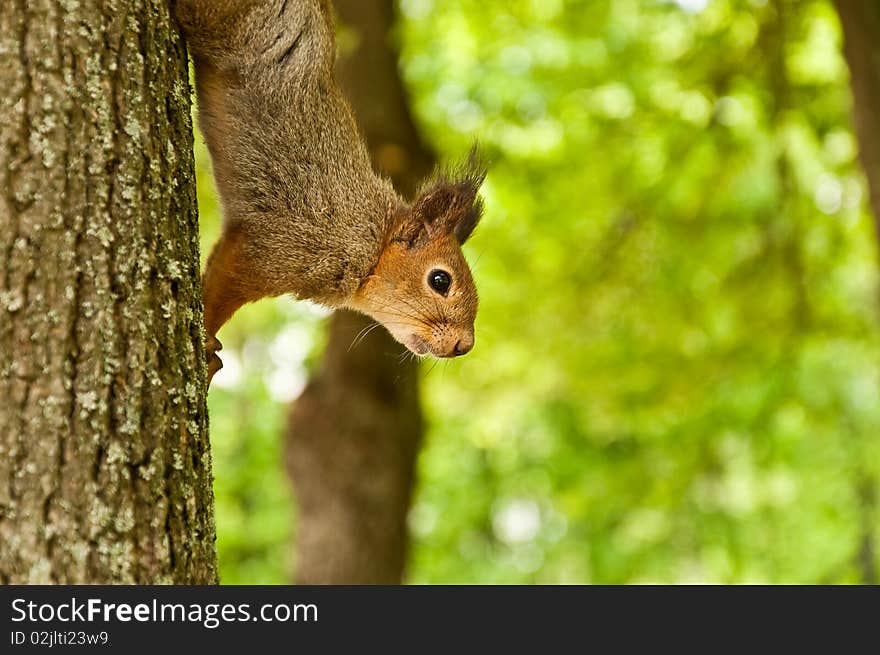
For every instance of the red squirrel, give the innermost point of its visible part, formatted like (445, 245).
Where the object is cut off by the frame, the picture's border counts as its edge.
(304, 212)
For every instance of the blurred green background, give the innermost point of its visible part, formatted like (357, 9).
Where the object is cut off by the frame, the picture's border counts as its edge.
(676, 369)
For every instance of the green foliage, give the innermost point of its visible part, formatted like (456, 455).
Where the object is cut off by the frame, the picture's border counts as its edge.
(675, 376)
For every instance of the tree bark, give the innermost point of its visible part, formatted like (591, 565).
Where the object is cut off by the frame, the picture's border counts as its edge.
(354, 433)
(861, 28)
(105, 469)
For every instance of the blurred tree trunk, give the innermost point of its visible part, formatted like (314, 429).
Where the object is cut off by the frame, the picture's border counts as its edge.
(105, 470)
(354, 434)
(861, 29)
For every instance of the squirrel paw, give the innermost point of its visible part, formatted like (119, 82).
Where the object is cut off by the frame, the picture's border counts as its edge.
(212, 345)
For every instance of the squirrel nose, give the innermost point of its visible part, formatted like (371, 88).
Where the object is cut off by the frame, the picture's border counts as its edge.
(463, 346)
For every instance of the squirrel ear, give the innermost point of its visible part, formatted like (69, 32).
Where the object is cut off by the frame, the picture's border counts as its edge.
(410, 229)
(465, 226)
(449, 203)
(439, 206)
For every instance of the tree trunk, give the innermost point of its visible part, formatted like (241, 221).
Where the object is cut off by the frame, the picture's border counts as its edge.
(861, 27)
(105, 469)
(354, 433)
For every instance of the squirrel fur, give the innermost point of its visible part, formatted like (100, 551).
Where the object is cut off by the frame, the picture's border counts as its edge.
(304, 212)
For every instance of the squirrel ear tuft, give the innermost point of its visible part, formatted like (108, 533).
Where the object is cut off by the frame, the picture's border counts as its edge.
(466, 225)
(448, 203)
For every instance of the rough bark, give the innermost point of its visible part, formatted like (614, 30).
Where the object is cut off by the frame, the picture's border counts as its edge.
(861, 27)
(105, 470)
(354, 433)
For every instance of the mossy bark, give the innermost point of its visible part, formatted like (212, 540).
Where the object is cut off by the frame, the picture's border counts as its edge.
(105, 469)
(354, 433)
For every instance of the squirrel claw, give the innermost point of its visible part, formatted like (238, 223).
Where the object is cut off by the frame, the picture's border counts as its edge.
(214, 363)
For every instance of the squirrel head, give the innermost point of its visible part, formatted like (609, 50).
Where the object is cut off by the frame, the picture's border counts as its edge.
(421, 289)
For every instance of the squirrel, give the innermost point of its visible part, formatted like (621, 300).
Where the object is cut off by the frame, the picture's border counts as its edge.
(303, 211)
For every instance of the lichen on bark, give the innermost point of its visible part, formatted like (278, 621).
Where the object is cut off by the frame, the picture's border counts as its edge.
(105, 469)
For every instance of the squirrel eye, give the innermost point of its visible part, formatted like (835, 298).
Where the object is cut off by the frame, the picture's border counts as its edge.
(439, 281)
